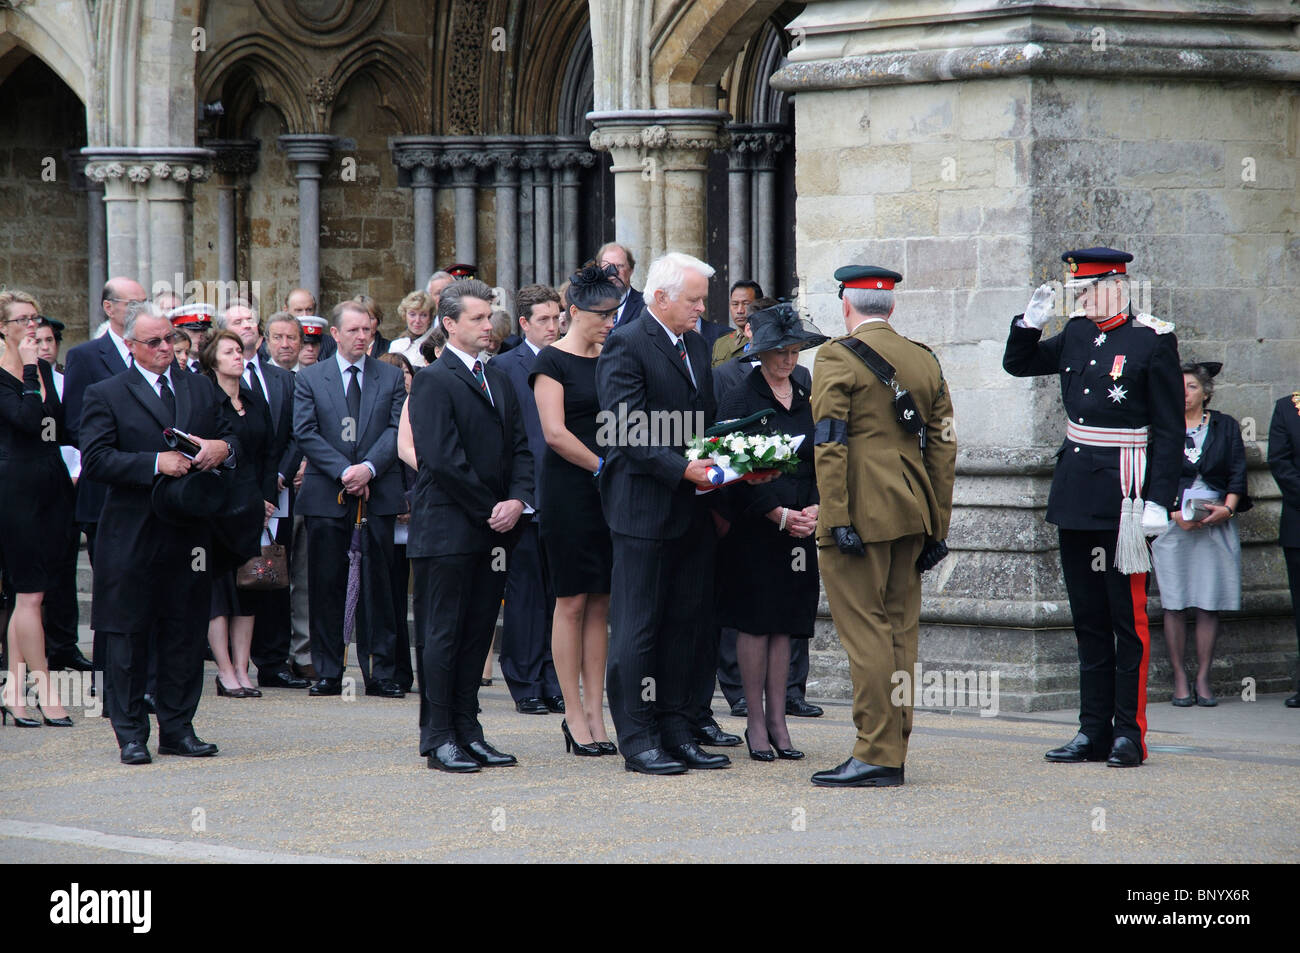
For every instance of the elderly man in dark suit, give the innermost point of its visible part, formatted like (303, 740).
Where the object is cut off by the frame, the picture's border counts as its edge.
(345, 414)
(1284, 461)
(158, 578)
(526, 626)
(97, 360)
(662, 583)
(271, 385)
(475, 482)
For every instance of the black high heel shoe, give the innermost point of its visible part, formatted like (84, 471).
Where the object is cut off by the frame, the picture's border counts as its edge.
(6, 714)
(767, 755)
(607, 747)
(64, 722)
(577, 747)
(788, 754)
(224, 692)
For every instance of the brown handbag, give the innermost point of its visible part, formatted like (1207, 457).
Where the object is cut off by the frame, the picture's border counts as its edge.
(270, 570)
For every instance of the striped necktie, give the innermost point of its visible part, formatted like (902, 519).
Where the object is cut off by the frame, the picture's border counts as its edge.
(482, 380)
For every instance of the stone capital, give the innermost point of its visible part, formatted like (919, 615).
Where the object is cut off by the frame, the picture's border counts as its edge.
(306, 148)
(234, 157)
(675, 131)
(140, 165)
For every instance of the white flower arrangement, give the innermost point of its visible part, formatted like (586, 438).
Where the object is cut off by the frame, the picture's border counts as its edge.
(742, 453)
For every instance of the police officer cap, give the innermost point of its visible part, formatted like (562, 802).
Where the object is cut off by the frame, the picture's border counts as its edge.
(866, 276)
(461, 270)
(46, 321)
(1091, 264)
(312, 328)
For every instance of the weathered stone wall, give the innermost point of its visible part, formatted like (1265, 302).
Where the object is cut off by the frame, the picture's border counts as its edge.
(42, 223)
(972, 189)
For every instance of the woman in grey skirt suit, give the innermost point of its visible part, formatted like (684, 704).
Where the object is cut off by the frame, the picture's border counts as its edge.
(1198, 562)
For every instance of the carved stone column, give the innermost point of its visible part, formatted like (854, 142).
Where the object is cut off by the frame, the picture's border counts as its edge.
(308, 152)
(463, 157)
(416, 158)
(738, 207)
(576, 157)
(540, 162)
(236, 160)
(504, 152)
(661, 162)
(96, 235)
(762, 143)
(147, 191)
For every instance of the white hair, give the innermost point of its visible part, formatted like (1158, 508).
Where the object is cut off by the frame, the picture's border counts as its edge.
(144, 308)
(437, 276)
(668, 274)
(873, 302)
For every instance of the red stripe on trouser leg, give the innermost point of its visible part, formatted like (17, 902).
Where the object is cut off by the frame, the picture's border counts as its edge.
(1138, 590)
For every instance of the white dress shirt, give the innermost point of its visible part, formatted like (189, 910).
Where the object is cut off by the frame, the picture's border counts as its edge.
(470, 360)
(674, 338)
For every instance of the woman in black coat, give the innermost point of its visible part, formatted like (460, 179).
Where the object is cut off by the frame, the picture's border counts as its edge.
(1198, 562)
(768, 583)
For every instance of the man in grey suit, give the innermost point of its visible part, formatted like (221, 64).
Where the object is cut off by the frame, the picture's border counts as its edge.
(345, 414)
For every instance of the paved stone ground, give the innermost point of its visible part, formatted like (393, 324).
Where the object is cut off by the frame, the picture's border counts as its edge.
(302, 779)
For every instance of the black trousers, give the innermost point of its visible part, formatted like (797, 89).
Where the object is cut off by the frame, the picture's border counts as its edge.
(401, 578)
(97, 657)
(796, 687)
(526, 622)
(178, 650)
(457, 599)
(661, 598)
(1110, 623)
(271, 622)
(328, 539)
(59, 608)
(1292, 555)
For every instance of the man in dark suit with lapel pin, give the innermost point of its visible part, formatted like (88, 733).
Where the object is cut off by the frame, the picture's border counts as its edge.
(474, 483)
(345, 414)
(271, 385)
(632, 306)
(158, 577)
(662, 582)
(526, 624)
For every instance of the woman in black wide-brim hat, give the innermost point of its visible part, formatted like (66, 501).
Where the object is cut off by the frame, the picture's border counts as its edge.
(768, 583)
(1198, 561)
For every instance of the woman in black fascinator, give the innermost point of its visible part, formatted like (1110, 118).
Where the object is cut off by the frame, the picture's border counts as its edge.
(575, 537)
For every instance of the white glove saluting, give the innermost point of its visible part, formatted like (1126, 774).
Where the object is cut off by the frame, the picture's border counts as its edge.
(1155, 519)
(1041, 307)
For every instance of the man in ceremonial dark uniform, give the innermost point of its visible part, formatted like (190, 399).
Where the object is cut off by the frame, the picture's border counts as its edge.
(1116, 478)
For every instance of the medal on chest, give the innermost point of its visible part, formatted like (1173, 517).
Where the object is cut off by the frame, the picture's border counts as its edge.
(1099, 340)
(1117, 368)
(1192, 453)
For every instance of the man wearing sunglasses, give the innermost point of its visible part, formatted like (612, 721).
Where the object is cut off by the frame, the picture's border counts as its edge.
(158, 580)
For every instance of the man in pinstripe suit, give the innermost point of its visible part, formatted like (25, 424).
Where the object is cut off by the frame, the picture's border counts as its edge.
(662, 578)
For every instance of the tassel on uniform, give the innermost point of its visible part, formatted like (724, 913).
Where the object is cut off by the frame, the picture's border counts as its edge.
(1131, 553)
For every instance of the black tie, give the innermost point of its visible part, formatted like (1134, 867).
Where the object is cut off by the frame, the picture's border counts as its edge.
(169, 401)
(255, 382)
(354, 399)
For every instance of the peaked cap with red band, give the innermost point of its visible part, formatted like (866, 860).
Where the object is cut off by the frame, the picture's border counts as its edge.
(461, 270)
(1092, 264)
(868, 277)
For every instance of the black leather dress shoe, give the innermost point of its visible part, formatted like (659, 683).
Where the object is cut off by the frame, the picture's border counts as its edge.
(488, 756)
(284, 679)
(1081, 748)
(326, 686)
(1293, 701)
(135, 752)
(385, 688)
(307, 671)
(713, 735)
(858, 774)
(150, 704)
(693, 756)
(70, 659)
(1125, 753)
(554, 704)
(740, 709)
(450, 757)
(653, 761)
(800, 708)
(531, 706)
(190, 747)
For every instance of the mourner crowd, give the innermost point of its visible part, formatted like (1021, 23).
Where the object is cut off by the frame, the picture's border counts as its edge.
(268, 490)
